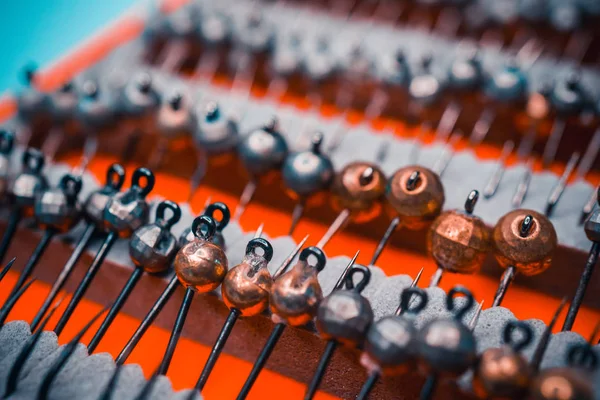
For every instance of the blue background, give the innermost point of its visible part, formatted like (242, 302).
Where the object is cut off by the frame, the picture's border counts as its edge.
(40, 31)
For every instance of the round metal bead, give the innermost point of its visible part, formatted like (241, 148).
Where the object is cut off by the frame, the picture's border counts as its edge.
(200, 264)
(255, 33)
(394, 69)
(31, 101)
(425, 87)
(263, 150)
(466, 72)
(562, 384)
(446, 347)
(530, 254)
(214, 131)
(359, 187)
(97, 200)
(139, 96)
(181, 23)
(155, 25)
(568, 96)
(95, 109)
(307, 172)
(128, 211)
(458, 242)
(215, 29)
(319, 62)
(344, 316)
(174, 117)
(565, 16)
(533, 10)
(153, 246)
(246, 286)
(29, 182)
(358, 64)
(287, 56)
(63, 103)
(509, 84)
(58, 208)
(391, 345)
(295, 296)
(502, 373)
(416, 206)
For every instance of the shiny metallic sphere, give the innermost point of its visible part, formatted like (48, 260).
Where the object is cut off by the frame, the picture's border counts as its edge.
(58, 208)
(344, 316)
(446, 347)
(262, 150)
(307, 172)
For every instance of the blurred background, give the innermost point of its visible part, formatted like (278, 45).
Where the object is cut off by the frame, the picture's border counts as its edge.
(39, 31)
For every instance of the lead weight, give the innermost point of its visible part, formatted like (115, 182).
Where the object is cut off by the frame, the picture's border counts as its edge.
(294, 299)
(92, 213)
(200, 266)
(357, 192)
(262, 151)
(139, 100)
(458, 241)
(245, 292)
(503, 372)
(56, 211)
(214, 131)
(32, 104)
(174, 119)
(524, 241)
(343, 317)
(446, 347)
(152, 249)
(174, 282)
(574, 382)
(22, 194)
(306, 174)
(124, 213)
(415, 197)
(390, 345)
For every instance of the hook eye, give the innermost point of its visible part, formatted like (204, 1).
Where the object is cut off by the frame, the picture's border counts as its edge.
(317, 253)
(406, 300)
(33, 160)
(136, 181)
(71, 185)
(175, 213)
(7, 141)
(225, 214)
(260, 243)
(459, 312)
(509, 337)
(115, 176)
(582, 355)
(204, 221)
(364, 279)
